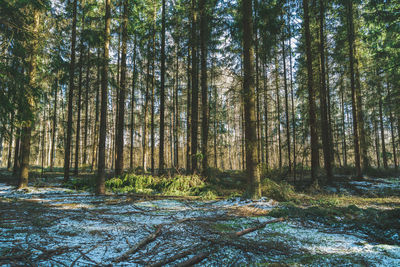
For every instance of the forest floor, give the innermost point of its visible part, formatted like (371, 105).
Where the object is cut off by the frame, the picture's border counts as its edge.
(350, 223)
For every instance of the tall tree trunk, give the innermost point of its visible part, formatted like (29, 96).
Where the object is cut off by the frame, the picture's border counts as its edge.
(119, 159)
(54, 126)
(176, 109)
(162, 92)
(254, 189)
(266, 115)
(278, 109)
(79, 101)
(188, 114)
(29, 105)
(195, 89)
(292, 99)
(67, 156)
(204, 83)
(146, 104)
(344, 145)
(350, 38)
(378, 162)
(17, 161)
(153, 84)
(325, 127)
(96, 115)
(311, 95)
(384, 156)
(100, 185)
(10, 143)
(391, 120)
(286, 103)
(86, 125)
(132, 134)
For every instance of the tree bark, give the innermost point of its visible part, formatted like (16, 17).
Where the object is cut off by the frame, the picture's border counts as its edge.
(254, 185)
(119, 159)
(29, 105)
(79, 101)
(67, 156)
(195, 89)
(350, 38)
(311, 95)
(162, 92)
(325, 126)
(204, 83)
(100, 185)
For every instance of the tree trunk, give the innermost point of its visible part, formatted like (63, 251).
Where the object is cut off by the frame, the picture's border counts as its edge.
(29, 106)
(278, 109)
(162, 92)
(286, 103)
(17, 161)
(100, 185)
(195, 89)
(79, 101)
(54, 126)
(85, 138)
(119, 159)
(96, 115)
(132, 134)
(254, 189)
(311, 95)
(10, 142)
(67, 156)
(384, 156)
(325, 127)
(204, 83)
(188, 115)
(350, 38)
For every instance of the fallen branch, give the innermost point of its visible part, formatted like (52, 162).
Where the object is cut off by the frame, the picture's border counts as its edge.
(200, 257)
(150, 238)
(260, 226)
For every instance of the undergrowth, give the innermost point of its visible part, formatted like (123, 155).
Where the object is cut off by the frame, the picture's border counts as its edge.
(179, 185)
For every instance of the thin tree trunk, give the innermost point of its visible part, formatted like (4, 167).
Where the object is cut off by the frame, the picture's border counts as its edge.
(67, 156)
(390, 97)
(54, 128)
(100, 185)
(162, 92)
(188, 114)
(96, 115)
(278, 108)
(146, 104)
(204, 83)
(119, 159)
(16, 166)
(153, 82)
(79, 101)
(176, 109)
(325, 127)
(195, 89)
(350, 37)
(384, 156)
(286, 103)
(86, 125)
(132, 134)
(378, 162)
(10, 142)
(311, 95)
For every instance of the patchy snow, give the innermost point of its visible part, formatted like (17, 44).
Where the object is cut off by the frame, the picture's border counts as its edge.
(57, 226)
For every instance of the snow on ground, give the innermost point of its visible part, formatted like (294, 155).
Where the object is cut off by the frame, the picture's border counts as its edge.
(56, 226)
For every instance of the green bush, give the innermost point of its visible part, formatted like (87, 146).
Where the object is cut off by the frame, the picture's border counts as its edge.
(279, 191)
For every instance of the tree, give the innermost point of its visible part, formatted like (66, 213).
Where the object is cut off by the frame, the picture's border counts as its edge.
(119, 161)
(254, 189)
(311, 93)
(100, 182)
(162, 92)
(67, 155)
